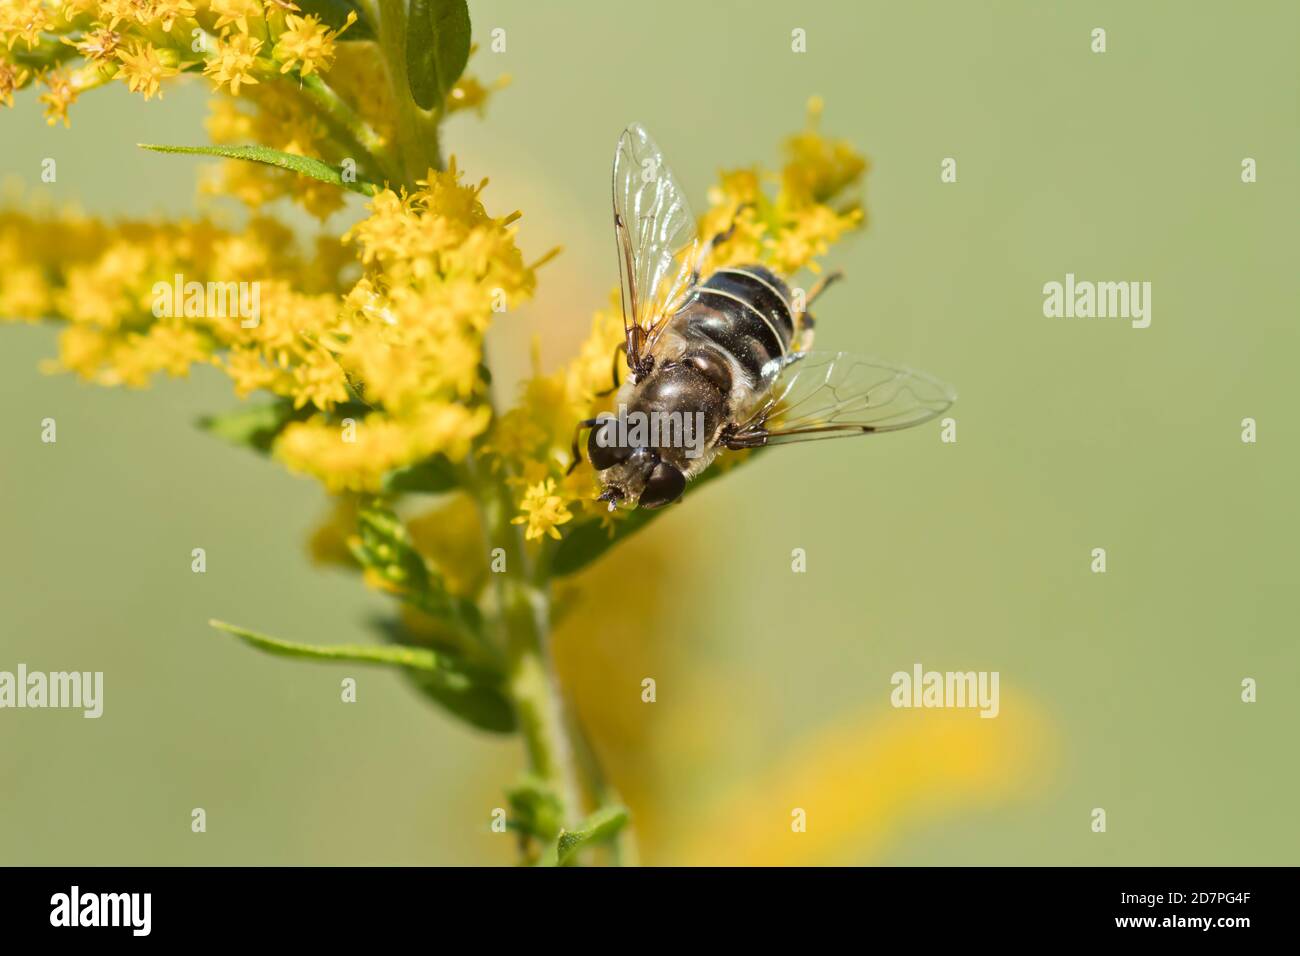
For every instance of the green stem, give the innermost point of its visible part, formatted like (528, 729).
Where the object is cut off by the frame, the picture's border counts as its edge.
(523, 594)
(623, 850)
(345, 123)
(524, 614)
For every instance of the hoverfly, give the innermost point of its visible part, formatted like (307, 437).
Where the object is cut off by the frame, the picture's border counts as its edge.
(731, 353)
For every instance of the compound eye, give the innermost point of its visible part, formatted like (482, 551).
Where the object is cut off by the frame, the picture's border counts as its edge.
(601, 448)
(666, 485)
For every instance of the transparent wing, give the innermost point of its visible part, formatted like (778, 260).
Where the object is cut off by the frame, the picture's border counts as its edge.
(655, 230)
(837, 394)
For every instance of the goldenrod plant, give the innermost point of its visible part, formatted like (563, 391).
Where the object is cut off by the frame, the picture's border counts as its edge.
(360, 358)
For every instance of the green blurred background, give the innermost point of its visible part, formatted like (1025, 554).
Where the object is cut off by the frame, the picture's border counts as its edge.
(1072, 435)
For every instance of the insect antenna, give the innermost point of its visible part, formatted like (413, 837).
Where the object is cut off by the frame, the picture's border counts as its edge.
(806, 322)
(820, 286)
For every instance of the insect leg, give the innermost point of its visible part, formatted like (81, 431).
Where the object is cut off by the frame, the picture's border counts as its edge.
(577, 430)
(621, 347)
(718, 240)
(735, 439)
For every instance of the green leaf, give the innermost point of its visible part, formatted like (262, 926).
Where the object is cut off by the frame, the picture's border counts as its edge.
(437, 49)
(253, 426)
(386, 548)
(303, 165)
(484, 706)
(588, 541)
(414, 658)
(334, 14)
(473, 694)
(597, 828)
(431, 476)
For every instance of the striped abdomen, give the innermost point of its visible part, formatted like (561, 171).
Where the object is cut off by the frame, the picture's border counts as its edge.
(709, 370)
(745, 312)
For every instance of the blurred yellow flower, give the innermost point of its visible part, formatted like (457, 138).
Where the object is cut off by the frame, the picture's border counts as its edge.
(165, 13)
(354, 455)
(236, 12)
(24, 20)
(843, 793)
(11, 79)
(451, 536)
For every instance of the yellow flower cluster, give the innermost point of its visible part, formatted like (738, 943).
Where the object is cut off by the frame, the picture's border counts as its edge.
(307, 44)
(408, 338)
(401, 347)
(243, 48)
(144, 43)
(111, 284)
(785, 229)
(67, 47)
(471, 94)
